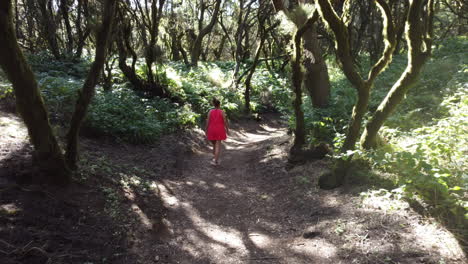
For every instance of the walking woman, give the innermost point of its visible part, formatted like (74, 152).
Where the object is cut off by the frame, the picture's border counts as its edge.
(216, 129)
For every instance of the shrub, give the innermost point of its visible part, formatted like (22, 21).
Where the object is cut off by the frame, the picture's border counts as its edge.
(44, 62)
(126, 116)
(430, 161)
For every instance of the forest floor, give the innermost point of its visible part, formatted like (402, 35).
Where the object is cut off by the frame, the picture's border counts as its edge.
(164, 203)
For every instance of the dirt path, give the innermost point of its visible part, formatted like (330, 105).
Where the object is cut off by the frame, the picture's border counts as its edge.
(251, 210)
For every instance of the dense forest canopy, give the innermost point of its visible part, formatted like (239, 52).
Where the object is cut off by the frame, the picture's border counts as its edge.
(381, 83)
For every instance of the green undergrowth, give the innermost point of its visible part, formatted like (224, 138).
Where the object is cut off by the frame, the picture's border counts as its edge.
(422, 105)
(427, 137)
(129, 117)
(125, 115)
(424, 141)
(197, 86)
(6, 90)
(430, 161)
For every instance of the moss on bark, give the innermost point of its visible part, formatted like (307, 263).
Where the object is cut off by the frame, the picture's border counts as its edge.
(47, 152)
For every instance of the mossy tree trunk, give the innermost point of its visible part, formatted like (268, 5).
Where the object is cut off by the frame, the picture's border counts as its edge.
(138, 31)
(303, 24)
(82, 9)
(203, 31)
(317, 81)
(152, 50)
(219, 50)
(65, 9)
(350, 69)
(125, 49)
(241, 32)
(29, 102)
(263, 36)
(400, 15)
(87, 92)
(297, 80)
(419, 40)
(49, 28)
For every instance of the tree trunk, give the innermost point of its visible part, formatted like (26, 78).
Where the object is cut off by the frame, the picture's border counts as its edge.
(196, 47)
(87, 91)
(29, 102)
(263, 35)
(175, 47)
(317, 81)
(344, 54)
(195, 53)
(418, 35)
(376, 43)
(238, 38)
(297, 79)
(248, 79)
(124, 47)
(31, 13)
(82, 8)
(48, 27)
(17, 24)
(66, 20)
(359, 110)
(182, 51)
(400, 25)
(206, 51)
(219, 51)
(107, 75)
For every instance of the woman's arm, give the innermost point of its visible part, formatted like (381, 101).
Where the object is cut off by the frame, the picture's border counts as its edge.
(226, 122)
(207, 122)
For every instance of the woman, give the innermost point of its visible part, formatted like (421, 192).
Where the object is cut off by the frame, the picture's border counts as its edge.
(216, 129)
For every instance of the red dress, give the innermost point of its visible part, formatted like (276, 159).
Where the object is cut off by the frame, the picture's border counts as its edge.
(216, 128)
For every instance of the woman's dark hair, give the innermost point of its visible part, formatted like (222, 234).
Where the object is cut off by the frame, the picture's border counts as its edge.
(216, 102)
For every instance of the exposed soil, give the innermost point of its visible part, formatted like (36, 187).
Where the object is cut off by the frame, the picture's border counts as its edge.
(165, 203)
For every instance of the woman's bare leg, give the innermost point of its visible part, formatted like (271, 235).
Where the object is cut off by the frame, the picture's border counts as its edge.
(217, 149)
(213, 142)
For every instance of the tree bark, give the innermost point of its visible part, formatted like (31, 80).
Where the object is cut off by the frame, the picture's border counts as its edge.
(175, 52)
(88, 89)
(400, 22)
(317, 81)
(107, 74)
(29, 102)
(82, 8)
(255, 62)
(17, 23)
(242, 30)
(297, 80)
(49, 27)
(219, 51)
(124, 47)
(196, 47)
(182, 51)
(418, 35)
(64, 9)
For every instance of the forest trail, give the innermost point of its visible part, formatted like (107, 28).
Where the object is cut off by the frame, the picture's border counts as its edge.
(228, 213)
(250, 209)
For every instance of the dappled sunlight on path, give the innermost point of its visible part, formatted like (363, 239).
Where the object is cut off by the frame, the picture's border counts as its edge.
(223, 215)
(250, 209)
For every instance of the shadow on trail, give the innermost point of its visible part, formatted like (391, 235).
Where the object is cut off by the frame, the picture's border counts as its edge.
(222, 214)
(250, 210)
(48, 224)
(247, 210)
